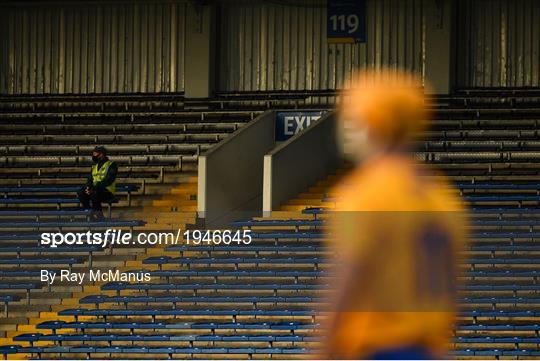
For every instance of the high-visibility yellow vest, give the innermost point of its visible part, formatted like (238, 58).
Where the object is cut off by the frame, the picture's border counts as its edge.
(99, 174)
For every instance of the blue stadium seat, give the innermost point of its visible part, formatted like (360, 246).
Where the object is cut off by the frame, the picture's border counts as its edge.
(469, 198)
(249, 248)
(473, 186)
(20, 273)
(39, 201)
(149, 350)
(508, 235)
(501, 273)
(491, 287)
(314, 211)
(236, 274)
(506, 222)
(19, 286)
(19, 250)
(60, 189)
(30, 261)
(489, 339)
(20, 236)
(6, 299)
(499, 300)
(119, 286)
(215, 260)
(507, 327)
(100, 299)
(507, 210)
(502, 198)
(286, 235)
(278, 223)
(45, 212)
(499, 248)
(72, 224)
(500, 313)
(181, 312)
(496, 261)
(290, 326)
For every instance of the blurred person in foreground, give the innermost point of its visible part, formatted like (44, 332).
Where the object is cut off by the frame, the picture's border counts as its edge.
(398, 233)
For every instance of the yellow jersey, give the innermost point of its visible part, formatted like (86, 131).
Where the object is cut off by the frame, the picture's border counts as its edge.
(399, 236)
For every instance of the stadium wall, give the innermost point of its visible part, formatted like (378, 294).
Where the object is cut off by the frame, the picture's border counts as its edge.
(282, 45)
(498, 43)
(49, 48)
(86, 47)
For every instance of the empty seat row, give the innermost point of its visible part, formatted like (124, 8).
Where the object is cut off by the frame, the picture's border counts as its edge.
(150, 350)
(155, 160)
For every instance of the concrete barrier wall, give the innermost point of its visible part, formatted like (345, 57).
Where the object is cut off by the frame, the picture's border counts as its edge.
(231, 174)
(298, 163)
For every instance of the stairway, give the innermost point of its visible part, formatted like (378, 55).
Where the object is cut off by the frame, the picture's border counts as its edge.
(174, 210)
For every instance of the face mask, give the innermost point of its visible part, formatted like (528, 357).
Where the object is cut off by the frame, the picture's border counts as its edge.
(353, 140)
(95, 158)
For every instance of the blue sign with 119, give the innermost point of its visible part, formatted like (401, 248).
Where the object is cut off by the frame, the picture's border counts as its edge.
(346, 21)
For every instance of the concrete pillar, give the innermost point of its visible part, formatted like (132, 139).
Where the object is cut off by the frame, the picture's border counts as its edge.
(439, 56)
(199, 64)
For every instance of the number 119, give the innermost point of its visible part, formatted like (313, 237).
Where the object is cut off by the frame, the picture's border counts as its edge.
(345, 22)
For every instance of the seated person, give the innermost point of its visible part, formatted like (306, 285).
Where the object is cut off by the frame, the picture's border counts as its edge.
(100, 185)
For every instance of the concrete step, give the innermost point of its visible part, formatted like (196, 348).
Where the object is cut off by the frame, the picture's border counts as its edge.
(285, 215)
(162, 226)
(8, 327)
(311, 195)
(13, 320)
(170, 218)
(154, 212)
(184, 189)
(318, 189)
(176, 202)
(180, 176)
(22, 313)
(165, 205)
(315, 202)
(26, 328)
(53, 317)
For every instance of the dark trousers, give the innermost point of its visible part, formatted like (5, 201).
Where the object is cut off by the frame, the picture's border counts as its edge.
(404, 353)
(94, 199)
